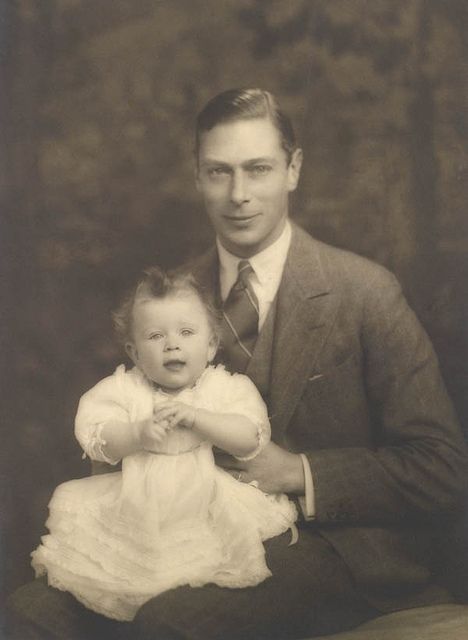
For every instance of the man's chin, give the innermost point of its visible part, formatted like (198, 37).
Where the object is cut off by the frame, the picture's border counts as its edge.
(243, 243)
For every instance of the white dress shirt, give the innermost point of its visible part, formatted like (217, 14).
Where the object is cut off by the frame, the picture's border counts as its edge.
(267, 268)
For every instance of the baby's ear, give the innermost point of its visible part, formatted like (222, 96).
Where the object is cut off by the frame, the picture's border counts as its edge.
(131, 352)
(213, 347)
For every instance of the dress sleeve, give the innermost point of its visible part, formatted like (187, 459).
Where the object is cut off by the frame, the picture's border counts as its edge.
(240, 395)
(105, 402)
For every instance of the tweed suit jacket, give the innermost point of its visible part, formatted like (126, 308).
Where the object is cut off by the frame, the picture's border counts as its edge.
(351, 380)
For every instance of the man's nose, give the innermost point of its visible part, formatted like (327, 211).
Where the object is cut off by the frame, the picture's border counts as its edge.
(239, 188)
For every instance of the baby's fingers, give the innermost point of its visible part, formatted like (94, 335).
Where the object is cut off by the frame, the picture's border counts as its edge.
(163, 413)
(154, 436)
(158, 431)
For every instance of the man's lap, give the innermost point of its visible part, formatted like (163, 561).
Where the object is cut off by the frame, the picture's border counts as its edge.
(310, 592)
(37, 611)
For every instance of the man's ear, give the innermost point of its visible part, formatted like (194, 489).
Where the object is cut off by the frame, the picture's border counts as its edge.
(294, 169)
(213, 347)
(196, 173)
(131, 352)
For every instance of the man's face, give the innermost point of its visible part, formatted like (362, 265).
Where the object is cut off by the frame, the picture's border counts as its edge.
(244, 178)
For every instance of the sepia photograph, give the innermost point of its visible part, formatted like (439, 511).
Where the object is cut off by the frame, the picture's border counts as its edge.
(234, 275)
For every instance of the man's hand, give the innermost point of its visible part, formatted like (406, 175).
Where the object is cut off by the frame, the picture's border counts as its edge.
(274, 469)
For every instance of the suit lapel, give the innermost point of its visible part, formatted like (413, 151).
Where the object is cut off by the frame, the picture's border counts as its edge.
(206, 271)
(295, 330)
(305, 311)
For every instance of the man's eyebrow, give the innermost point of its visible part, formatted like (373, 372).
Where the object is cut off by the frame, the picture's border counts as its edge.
(219, 163)
(247, 163)
(261, 160)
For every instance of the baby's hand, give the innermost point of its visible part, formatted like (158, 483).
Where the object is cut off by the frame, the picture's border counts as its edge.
(174, 414)
(152, 433)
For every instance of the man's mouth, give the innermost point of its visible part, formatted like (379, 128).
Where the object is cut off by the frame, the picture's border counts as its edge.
(174, 365)
(241, 220)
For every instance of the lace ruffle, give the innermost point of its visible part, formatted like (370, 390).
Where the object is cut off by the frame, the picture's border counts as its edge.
(113, 569)
(93, 447)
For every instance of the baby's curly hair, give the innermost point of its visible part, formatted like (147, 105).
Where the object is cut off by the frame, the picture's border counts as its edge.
(159, 284)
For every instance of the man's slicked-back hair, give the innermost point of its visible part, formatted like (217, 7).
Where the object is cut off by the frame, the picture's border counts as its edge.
(245, 104)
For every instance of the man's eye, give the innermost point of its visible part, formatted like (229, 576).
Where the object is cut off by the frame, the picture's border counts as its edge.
(215, 172)
(260, 169)
(186, 332)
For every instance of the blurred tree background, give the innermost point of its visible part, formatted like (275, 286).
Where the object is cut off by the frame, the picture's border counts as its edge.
(99, 102)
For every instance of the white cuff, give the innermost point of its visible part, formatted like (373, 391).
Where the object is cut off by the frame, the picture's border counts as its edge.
(307, 501)
(93, 448)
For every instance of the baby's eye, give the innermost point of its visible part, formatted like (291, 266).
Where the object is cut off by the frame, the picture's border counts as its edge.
(187, 332)
(156, 336)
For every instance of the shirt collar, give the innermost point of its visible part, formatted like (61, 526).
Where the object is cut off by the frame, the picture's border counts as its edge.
(270, 261)
(267, 264)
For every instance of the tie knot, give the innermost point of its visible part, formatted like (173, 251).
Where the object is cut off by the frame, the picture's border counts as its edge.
(244, 270)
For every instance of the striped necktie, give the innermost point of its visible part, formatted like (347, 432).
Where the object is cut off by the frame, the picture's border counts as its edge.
(240, 320)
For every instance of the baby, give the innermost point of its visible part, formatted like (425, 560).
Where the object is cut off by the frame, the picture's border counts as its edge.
(170, 517)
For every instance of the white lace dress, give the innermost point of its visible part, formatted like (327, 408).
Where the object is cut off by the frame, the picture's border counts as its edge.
(167, 519)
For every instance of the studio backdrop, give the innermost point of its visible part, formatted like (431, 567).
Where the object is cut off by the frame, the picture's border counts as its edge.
(100, 98)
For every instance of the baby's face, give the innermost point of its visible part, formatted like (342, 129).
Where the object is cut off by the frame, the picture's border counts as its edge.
(172, 340)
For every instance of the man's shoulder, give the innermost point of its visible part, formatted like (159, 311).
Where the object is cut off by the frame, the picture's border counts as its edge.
(312, 257)
(337, 265)
(203, 263)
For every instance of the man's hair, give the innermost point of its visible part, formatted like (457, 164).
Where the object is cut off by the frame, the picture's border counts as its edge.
(158, 284)
(246, 104)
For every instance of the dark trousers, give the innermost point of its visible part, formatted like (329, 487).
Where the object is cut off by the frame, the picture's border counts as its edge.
(310, 593)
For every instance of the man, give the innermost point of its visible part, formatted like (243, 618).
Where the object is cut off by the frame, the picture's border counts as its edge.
(363, 432)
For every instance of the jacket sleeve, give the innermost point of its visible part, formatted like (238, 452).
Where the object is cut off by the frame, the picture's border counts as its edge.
(419, 465)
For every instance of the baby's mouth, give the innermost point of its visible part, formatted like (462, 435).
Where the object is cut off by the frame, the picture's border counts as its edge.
(174, 365)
